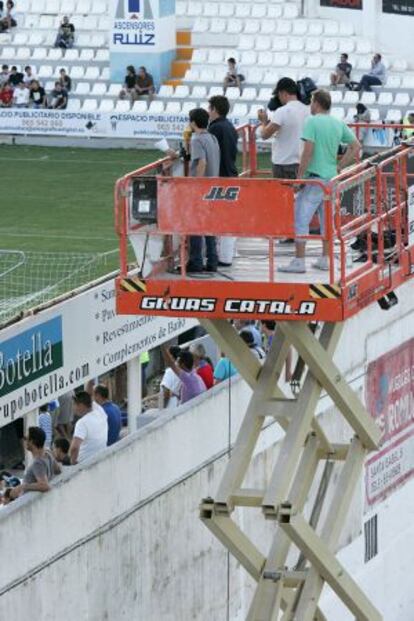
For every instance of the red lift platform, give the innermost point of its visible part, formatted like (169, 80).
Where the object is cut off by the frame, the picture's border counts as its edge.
(372, 200)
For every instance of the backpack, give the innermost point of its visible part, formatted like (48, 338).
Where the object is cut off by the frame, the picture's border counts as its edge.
(306, 86)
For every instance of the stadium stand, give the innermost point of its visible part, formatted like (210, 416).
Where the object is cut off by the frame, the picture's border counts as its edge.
(269, 40)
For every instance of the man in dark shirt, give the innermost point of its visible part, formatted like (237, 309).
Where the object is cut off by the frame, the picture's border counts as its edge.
(66, 34)
(227, 137)
(144, 84)
(15, 77)
(342, 73)
(37, 95)
(112, 411)
(58, 97)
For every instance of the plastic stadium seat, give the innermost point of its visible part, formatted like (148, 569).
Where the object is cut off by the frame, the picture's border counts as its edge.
(215, 90)
(24, 6)
(139, 106)
(297, 60)
(191, 75)
(281, 60)
(199, 56)
(106, 105)
(315, 29)
(92, 73)
(240, 110)
(102, 56)
(248, 58)
(246, 42)
(329, 46)
(69, 7)
(38, 6)
(408, 81)
(251, 26)
(23, 53)
(363, 47)
(242, 10)
(385, 99)
(248, 94)
(123, 105)
(201, 25)
(314, 61)
(99, 90)
(71, 55)
(114, 90)
(187, 106)
(210, 9)
(45, 71)
(8, 52)
(199, 92)
(263, 42)
(400, 64)
(233, 27)
(393, 81)
(338, 113)
(375, 115)
(166, 91)
(52, 6)
(87, 55)
(295, 44)
(267, 27)
(83, 7)
(98, 7)
(351, 97)
(35, 39)
(346, 29)
(347, 46)
(46, 22)
(216, 56)
(180, 8)
(104, 74)
(39, 53)
(394, 116)
(233, 94)
(300, 27)
(55, 53)
(336, 97)
(331, 29)
(254, 109)
(254, 76)
(77, 72)
(181, 92)
(264, 94)
(259, 11)
(49, 85)
(104, 23)
(82, 88)
(173, 107)
(279, 44)
(89, 105)
(368, 98)
(20, 38)
(226, 9)
(156, 107)
(324, 78)
(207, 75)
(290, 11)
(219, 25)
(274, 11)
(73, 104)
(312, 44)
(402, 100)
(283, 27)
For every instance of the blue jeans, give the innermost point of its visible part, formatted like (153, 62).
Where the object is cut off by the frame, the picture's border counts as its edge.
(309, 201)
(367, 81)
(196, 252)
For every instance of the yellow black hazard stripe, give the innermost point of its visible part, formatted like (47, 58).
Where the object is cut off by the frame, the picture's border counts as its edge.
(323, 292)
(133, 284)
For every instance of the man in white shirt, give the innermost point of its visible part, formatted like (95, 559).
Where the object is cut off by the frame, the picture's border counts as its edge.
(285, 126)
(170, 385)
(21, 96)
(91, 430)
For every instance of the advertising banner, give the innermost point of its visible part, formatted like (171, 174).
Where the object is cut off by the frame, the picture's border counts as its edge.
(60, 348)
(342, 4)
(400, 7)
(390, 400)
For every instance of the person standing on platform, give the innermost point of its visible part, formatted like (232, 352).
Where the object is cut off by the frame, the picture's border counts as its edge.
(227, 137)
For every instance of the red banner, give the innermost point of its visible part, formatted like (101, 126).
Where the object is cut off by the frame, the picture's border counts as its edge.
(390, 400)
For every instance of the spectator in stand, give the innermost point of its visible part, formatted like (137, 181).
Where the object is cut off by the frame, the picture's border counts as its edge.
(249, 325)
(144, 85)
(21, 96)
(28, 76)
(224, 369)
(112, 411)
(15, 77)
(45, 423)
(376, 77)
(65, 80)
(58, 98)
(130, 80)
(202, 365)
(37, 95)
(61, 451)
(191, 383)
(4, 74)
(227, 137)
(6, 96)
(170, 384)
(362, 115)
(408, 132)
(342, 73)
(66, 34)
(8, 21)
(91, 430)
(285, 125)
(64, 417)
(322, 135)
(257, 350)
(233, 76)
(43, 467)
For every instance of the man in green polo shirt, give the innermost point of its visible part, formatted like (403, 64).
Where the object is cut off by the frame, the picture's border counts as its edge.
(322, 135)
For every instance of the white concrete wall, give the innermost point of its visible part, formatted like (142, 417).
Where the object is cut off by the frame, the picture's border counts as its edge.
(120, 537)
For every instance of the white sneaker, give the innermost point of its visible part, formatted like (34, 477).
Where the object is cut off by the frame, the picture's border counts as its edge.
(296, 266)
(321, 264)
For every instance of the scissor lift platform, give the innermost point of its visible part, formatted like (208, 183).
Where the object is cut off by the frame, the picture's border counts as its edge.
(372, 202)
